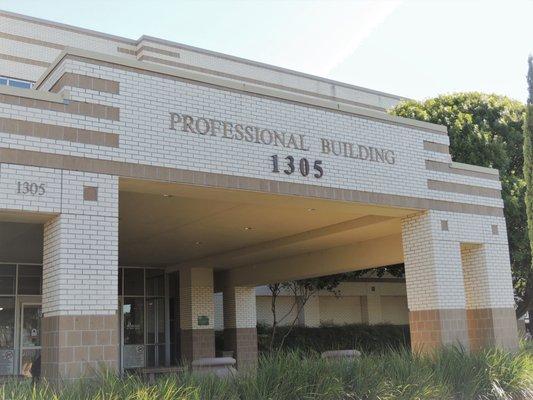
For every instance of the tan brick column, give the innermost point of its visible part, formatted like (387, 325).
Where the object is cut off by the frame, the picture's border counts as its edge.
(434, 280)
(80, 273)
(240, 325)
(489, 296)
(197, 313)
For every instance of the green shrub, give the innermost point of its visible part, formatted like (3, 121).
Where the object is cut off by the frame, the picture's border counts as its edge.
(450, 374)
(363, 337)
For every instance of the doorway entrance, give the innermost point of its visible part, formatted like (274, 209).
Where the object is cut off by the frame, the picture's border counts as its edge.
(30, 339)
(148, 303)
(20, 318)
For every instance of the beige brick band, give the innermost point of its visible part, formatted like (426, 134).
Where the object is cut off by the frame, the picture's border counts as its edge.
(25, 39)
(463, 189)
(23, 60)
(86, 82)
(436, 147)
(489, 327)
(432, 165)
(163, 52)
(432, 329)
(58, 132)
(172, 175)
(76, 346)
(71, 107)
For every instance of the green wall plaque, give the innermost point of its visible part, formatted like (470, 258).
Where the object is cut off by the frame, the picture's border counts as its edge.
(203, 320)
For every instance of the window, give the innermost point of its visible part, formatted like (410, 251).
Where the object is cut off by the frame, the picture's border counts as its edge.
(30, 277)
(19, 83)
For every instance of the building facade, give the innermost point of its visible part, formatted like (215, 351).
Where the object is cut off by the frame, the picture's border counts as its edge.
(139, 177)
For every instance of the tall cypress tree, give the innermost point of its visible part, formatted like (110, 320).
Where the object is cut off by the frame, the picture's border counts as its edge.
(528, 176)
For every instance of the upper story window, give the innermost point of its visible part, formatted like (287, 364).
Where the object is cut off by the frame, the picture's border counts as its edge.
(19, 83)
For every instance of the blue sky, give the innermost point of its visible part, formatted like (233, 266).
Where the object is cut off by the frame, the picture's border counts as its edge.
(412, 48)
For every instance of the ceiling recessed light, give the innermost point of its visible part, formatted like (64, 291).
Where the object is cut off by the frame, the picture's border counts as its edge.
(311, 209)
(247, 228)
(167, 195)
(198, 243)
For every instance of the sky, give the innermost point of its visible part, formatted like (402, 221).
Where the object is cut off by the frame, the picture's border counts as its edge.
(412, 48)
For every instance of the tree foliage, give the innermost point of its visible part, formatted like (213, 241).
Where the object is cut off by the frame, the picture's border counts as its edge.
(487, 130)
(528, 176)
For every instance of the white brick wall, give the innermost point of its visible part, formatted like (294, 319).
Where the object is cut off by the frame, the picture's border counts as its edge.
(145, 137)
(466, 264)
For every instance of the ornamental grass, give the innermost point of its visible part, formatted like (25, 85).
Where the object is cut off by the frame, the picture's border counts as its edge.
(393, 374)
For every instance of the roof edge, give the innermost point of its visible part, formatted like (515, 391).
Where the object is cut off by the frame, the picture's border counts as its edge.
(240, 86)
(179, 45)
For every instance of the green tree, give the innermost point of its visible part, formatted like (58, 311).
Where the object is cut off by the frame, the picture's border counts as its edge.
(528, 176)
(487, 130)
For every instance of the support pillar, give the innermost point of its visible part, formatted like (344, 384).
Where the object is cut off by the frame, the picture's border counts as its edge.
(372, 313)
(310, 313)
(197, 313)
(240, 325)
(434, 280)
(489, 296)
(80, 280)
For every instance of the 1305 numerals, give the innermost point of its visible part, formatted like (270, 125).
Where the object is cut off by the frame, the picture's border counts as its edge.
(32, 188)
(290, 165)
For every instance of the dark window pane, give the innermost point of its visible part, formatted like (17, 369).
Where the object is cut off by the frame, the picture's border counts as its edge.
(120, 281)
(30, 279)
(7, 322)
(3, 81)
(133, 282)
(155, 282)
(7, 279)
(133, 315)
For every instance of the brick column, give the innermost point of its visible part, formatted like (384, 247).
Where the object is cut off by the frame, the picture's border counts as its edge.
(489, 296)
(434, 280)
(197, 313)
(240, 325)
(80, 272)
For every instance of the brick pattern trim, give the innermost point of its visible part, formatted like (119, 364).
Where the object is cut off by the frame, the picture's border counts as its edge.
(70, 107)
(172, 175)
(163, 52)
(463, 189)
(23, 60)
(432, 165)
(492, 327)
(78, 345)
(432, 329)
(197, 343)
(25, 39)
(58, 132)
(86, 82)
(436, 147)
(126, 51)
(243, 343)
(90, 193)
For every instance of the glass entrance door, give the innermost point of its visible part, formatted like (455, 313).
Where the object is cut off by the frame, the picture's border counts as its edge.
(30, 339)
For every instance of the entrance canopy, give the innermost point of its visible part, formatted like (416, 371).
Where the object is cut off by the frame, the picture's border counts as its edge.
(253, 233)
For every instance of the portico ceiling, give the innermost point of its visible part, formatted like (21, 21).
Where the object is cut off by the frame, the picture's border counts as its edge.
(167, 224)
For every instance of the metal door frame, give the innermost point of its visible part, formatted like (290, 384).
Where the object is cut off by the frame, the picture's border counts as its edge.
(21, 347)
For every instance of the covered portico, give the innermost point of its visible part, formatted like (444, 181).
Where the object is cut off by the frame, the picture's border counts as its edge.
(155, 187)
